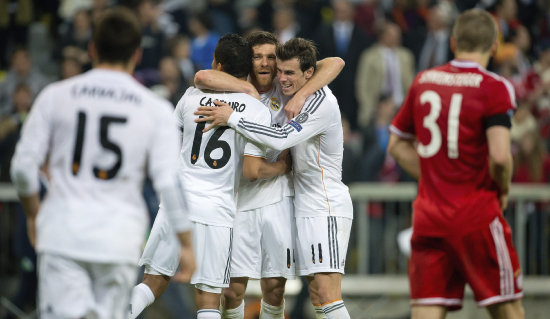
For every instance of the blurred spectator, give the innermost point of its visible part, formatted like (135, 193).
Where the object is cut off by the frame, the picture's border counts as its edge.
(431, 45)
(505, 13)
(172, 85)
(387, 68)
(152, 43)
(15, 18)
(369, 16)
(203, 41)
(98, 7)
(70, 67)
(343, 38)
(73, 43)
(522, 122)
(223, 16)
(21, 71)
(531, 163)
(285, 26)
(10, 125)
(376, 164)
(521, 38)
(180, 49)
(409, 14)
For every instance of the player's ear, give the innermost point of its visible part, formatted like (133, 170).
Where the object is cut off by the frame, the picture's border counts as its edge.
(136, 58)
(452, 43)
(309, 73)
(494, 47)
(92, 51)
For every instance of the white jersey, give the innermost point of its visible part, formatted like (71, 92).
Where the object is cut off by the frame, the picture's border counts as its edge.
(261, 193)
(211, 163)
(100, 133)
(316, 136)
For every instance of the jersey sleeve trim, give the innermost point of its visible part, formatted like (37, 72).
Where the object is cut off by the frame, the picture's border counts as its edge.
(318, 98)
(401, 134)
(252, 155)
(498, 120)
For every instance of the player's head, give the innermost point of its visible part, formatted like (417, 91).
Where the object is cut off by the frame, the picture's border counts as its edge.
(233, 55)
(263, 59)
(117, 38)
(475, 30)
(296, 60)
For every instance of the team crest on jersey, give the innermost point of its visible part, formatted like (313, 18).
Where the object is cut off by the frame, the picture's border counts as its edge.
(275, 105)
(302, 118)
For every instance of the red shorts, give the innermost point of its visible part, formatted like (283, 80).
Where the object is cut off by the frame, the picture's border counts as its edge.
(439, 268)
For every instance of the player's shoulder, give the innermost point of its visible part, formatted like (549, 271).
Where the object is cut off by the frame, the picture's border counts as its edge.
(322, 99)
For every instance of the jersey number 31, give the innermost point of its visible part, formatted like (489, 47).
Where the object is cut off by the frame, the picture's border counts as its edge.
(430, 123)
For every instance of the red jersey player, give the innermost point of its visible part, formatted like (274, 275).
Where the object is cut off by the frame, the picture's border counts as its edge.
(452, 133)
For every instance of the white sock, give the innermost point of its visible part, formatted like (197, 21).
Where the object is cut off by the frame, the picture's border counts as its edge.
(142, 296)
(336, 310)
(208, 314)
(237, 313)
(319, 313)
(272, 312)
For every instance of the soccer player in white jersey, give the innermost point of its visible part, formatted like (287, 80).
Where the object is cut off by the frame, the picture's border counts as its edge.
(263, 243)
(210, 166)
(323, 205)
(99, 134)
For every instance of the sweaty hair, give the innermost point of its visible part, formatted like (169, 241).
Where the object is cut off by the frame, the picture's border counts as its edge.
(117, 35)
(474, 30)
(255, 38)
(234, 54)
(302, 49)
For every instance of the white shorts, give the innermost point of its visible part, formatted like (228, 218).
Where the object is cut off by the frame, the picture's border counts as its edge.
(69, 288)
(321, 244)
(263, 241)
(161, 253)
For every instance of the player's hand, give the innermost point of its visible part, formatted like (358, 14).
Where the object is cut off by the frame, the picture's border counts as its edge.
(31, 230)
(286, 158)
(294, 106)
(187, 265)
(217, 115)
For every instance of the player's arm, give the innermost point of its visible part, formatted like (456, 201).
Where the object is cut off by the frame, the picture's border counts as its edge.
(255, 168)
(500, 160)
(30, 154)
(326, 71)
(277, 138)
(404, 152)
(221, 81)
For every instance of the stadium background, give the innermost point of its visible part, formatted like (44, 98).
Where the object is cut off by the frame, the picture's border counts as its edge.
(43, 41)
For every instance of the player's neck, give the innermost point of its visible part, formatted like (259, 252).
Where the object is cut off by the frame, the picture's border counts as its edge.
(478, 57)
(115, 67)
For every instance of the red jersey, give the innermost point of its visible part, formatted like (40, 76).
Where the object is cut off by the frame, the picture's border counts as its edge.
(447, 110)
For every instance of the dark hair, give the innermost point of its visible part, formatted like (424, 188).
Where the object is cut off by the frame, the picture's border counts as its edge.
(302, 49)
(255, 38)
(235, 55)
(117, 35)
(474, 30)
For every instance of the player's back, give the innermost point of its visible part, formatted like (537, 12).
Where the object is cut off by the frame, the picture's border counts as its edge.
(211, 163)
(100, 125)
(451, 106)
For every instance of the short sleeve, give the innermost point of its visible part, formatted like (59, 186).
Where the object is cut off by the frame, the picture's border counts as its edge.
(501, 98)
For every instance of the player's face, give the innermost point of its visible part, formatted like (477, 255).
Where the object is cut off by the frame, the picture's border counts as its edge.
(291, 76)
(263, 66)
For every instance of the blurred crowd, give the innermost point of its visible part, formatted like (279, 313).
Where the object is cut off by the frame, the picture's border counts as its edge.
(384, 45)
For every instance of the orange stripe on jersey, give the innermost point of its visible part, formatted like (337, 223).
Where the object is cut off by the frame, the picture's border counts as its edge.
(322, 174)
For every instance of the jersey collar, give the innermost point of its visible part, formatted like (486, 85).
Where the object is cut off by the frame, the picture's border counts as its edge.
(466, 64)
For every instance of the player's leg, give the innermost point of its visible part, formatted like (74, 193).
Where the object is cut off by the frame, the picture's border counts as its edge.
(273, 302)
(278, 234)
(160, 258)
(212, 246)
(435, 281)
(490, 252)
(232, 304)
(321, 257)
(64, 288)
(507, 310)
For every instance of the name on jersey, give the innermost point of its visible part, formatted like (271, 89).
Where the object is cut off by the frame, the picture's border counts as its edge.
(104, 93)
(236, 106)
(451, 79)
